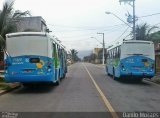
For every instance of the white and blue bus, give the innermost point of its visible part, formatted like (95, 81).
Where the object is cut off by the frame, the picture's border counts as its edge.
(34, 57)
(131, 59)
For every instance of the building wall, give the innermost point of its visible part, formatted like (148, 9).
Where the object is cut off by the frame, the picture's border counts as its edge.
(97, 50)
(157, 57)
(37, 24)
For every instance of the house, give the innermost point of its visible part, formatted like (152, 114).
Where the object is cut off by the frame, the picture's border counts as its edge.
(98, 52)
(36, 23)
(157, 57)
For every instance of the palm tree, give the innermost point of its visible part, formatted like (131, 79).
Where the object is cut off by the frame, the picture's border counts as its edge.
(8, 18)
(144, 32)
(8, 22)
(155, 37)
(74, 55)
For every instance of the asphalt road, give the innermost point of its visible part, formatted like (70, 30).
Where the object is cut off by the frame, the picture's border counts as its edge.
(78, 93)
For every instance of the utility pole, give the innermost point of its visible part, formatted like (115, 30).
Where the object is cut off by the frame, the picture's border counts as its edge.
(103, 45)
(134, 20)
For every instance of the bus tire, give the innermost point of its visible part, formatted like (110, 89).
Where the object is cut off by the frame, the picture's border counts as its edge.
(107, 71)
(58, 81)
(64, 75)
(114, 74)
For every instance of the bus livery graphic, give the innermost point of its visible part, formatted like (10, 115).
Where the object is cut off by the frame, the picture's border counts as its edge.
(34, 57)
(131, 59)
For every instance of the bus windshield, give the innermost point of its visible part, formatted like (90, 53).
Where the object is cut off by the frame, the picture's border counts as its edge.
(135, 49)
(27, 45)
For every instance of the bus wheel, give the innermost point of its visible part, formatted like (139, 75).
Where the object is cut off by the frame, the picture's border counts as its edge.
(58, 81)
(64, 75)
(114, 74)
(107, 71)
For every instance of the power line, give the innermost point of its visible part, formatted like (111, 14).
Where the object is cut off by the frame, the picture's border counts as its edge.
(121, 35)
(82, 27)
(113, 29)
(77, 40)
(149, 15)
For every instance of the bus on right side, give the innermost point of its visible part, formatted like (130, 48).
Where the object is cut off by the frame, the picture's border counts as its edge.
(133, 59)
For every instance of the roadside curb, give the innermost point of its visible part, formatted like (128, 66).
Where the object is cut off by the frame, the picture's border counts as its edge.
(13, 87)
(151, 81)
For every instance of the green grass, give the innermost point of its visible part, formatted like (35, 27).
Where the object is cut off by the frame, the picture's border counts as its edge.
(5, 87)
(1, 79)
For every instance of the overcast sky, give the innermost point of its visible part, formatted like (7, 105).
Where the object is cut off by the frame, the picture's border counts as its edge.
(75, 21)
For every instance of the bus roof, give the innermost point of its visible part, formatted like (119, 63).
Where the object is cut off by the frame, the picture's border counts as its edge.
(25, 34)
(18, 34)
(138, 41)
(130, 41)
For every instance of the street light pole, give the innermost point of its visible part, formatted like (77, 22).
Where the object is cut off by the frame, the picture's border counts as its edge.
(103, 45)
(97, 40)
(118, 18)
(134, 22)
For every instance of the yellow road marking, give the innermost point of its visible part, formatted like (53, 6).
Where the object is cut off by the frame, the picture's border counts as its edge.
(107, 103)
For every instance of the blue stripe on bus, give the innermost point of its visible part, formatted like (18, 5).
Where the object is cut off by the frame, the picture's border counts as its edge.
(134, 66)
(22, 70)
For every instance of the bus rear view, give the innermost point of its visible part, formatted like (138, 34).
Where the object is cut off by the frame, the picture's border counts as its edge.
(137, 59)
(131, 59)
(30, 58)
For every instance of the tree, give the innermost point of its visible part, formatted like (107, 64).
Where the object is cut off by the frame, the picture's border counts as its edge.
(8, 20)
(74, 53)
(144, 32)
(155, 37)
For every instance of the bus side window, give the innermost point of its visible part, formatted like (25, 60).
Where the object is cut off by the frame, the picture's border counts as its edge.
(114, 52)
(118, 52)
(107, 54)
(54, 50)
(111, 54)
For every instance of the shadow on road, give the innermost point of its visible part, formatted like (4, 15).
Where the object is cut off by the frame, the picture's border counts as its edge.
(37, 89)
(133, 81)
